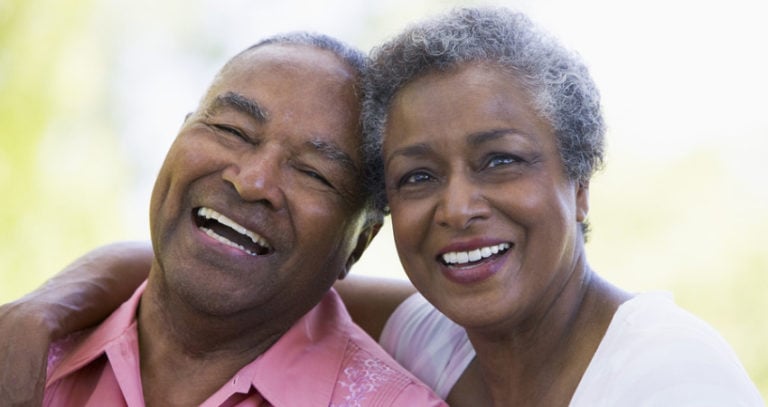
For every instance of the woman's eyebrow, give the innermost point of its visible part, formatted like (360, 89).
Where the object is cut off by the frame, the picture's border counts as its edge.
(414, 150)
(475, 139)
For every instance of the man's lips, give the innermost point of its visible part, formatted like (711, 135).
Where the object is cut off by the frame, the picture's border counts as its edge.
(464, 258)
(229, 232)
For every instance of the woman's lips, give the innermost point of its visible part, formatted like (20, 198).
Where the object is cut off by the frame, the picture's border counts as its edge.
(470, 256)
(475, 265)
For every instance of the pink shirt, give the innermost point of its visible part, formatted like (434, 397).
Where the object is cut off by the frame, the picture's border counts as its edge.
(323, 360)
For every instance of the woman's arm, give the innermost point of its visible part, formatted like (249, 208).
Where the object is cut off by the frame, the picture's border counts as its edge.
(371, 300)
(81, 295)
(89, 289)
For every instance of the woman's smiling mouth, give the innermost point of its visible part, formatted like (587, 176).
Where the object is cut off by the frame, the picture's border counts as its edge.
(461, 258)
(475, 265)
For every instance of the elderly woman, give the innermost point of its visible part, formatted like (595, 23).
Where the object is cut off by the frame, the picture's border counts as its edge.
(490, 132)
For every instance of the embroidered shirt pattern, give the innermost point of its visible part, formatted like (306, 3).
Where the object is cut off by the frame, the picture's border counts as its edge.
(363, 376)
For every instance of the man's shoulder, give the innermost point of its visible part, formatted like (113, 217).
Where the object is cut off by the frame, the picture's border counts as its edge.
(83, 347)
(367, 374)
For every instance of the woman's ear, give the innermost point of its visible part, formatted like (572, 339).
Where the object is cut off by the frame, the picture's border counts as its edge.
(582, 200)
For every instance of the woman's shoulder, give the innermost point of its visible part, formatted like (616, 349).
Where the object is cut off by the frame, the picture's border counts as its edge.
(655, 350)
(653, 324)
(656, 311)
(427, 343)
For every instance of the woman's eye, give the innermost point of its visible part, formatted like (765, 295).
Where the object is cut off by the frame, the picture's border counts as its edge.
(415, 178)
(502, 159)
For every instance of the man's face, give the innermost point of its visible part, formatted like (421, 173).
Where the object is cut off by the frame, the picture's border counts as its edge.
(258, 204)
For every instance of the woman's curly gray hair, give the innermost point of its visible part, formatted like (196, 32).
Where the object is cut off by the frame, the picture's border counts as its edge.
(558, 82)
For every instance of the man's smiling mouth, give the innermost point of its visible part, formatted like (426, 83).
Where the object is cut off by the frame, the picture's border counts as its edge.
(230, 233)
(472, 256)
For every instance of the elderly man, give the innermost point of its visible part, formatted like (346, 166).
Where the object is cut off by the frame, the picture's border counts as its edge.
(258, 208)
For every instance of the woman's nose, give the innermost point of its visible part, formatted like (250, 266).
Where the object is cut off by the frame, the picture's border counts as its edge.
(462, 203)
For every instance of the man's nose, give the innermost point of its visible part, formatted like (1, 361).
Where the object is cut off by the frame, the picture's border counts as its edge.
(461, 204)
(257, 177)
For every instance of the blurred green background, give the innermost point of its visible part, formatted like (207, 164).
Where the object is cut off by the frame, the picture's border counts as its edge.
(92, 92)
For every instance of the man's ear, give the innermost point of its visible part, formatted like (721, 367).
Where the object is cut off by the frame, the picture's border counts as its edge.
(582, 200)
(363, 240)
(186, 120)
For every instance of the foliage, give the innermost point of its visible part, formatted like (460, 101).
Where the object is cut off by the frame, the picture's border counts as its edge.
(54, 147)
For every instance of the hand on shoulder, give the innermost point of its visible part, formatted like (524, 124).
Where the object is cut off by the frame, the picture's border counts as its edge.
(25, 337)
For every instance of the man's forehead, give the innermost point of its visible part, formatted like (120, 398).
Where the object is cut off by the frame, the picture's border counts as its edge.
(310, 90)
(297, 56)
(312, 68)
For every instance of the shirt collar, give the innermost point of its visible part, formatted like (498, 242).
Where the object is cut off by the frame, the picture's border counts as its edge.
(96, 340)
(307, 357)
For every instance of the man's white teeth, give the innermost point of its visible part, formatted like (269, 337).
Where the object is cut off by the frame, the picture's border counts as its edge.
(474, 255)
(209, 213)
(226, 241)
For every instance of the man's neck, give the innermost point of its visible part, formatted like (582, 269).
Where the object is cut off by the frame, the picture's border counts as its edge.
(186, 355)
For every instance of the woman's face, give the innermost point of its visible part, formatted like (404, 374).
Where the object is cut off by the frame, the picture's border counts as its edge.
(485, 220)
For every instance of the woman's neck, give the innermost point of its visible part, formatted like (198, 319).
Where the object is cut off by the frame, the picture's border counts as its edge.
(540, 361)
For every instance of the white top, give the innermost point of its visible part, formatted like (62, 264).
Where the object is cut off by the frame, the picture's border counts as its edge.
(654, 353)
(427, 343)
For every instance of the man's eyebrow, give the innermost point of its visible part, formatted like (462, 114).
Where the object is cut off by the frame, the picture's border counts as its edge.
(240, 103)
(334, 153)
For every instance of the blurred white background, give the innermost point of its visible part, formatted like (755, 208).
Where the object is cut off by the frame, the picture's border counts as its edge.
(93, 91)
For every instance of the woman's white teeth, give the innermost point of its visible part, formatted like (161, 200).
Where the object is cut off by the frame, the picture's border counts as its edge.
(209, 213)
(474, 255)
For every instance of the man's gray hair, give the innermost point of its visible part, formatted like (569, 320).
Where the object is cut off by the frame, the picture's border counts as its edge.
(357, 60)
